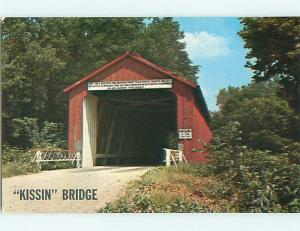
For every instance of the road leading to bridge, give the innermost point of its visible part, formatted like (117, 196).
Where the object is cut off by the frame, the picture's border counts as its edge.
(110, 183)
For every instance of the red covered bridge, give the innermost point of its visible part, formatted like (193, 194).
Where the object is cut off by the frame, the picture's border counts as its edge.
(130, 109)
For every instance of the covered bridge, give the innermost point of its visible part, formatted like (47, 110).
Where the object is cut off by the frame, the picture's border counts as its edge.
(129, 109)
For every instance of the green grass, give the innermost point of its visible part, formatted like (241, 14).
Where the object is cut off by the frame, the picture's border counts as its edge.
(14, 169)
(186, 188)
(10, 169)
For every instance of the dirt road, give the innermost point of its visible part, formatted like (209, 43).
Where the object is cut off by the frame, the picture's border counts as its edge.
(109, 182)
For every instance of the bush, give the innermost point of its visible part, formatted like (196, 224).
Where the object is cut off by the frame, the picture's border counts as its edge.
(25, 132)
(15, 169)
(28, 133)
(293, 152)
(54, 165)
(15, 154)
(199, 169)
(262, 181)
(146, 204)
(17, 161)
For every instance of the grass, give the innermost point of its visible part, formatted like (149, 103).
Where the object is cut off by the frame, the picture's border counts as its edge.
(186, 188)
(14, 169)
(10, 169)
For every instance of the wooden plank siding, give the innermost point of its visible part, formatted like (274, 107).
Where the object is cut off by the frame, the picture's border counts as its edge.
(129, 67)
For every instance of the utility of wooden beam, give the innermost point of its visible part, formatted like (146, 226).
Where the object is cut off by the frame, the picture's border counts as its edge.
(116, 156)
(146, 101)
(143, 104)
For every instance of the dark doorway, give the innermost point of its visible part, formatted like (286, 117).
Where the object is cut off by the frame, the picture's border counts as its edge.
(134, 126)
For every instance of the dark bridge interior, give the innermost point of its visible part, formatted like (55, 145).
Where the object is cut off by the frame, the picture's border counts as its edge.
(134, 126)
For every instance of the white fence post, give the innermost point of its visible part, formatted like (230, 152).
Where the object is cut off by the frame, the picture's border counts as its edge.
(175, 156)
(180, 156)
(77, 159)
(38, 159)
(168, 157)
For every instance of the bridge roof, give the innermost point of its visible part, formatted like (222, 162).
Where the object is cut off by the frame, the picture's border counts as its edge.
(136, 57)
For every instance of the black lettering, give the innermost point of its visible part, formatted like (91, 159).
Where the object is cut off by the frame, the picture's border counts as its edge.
(31, 194)
(94, 197)
(38, 194)
(22, 194)
(71, 194)
(47, 194)
(65, 194)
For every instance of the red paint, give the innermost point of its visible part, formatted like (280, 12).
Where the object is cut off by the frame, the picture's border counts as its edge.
(131, 66)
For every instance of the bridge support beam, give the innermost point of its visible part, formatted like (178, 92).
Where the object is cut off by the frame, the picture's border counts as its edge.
(89, 131)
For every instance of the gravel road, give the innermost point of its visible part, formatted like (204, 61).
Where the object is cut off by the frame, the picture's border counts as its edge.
(110, 183)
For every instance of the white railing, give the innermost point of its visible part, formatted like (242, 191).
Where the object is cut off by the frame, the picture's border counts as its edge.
(50, 155)
(174, 157)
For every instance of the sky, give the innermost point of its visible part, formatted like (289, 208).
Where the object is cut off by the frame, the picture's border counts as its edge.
(213, 44)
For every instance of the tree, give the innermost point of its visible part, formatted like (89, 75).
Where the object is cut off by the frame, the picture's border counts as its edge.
(273, 46)
(28, 69)
(266, 120)
(161, 43)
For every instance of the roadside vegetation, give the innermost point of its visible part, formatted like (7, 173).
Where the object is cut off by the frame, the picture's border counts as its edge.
(18, 160)
(236, 179)
(185, 189)
(253, 162)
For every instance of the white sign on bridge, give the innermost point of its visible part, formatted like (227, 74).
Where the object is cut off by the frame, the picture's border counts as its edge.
(130, 84)
(185, 133)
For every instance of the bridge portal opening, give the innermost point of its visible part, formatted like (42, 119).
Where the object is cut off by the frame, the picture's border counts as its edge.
(134, 126)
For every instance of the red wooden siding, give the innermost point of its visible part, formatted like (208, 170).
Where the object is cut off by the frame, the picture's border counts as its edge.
(132, 67)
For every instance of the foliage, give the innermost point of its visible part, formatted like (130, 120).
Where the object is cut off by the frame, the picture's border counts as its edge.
(16, 161)
(293, 151)
(55, 165)
(267, 122)
(273, 46)
(15, 154)
(173, 189)
(144, 204)
(42, 56)
(161, 43)
(27, 134)
(14, 169)
(260, 181)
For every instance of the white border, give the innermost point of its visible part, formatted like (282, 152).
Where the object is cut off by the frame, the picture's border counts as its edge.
(174, 222)
(149, 8)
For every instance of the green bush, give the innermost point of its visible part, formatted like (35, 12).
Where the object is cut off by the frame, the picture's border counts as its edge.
(293, 152)
(16, 154)
(16, 161)
(145, 204)
(28, 133)
(54, 165)
(261, 181)
(198, 169)
(15, 169)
